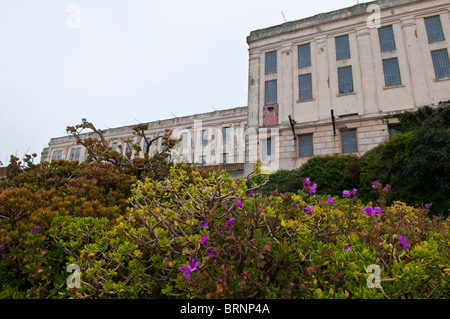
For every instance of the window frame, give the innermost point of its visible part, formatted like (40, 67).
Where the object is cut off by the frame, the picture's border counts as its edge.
(309, 152)
(355, 141)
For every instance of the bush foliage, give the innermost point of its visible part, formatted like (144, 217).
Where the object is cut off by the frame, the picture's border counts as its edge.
(139, 230)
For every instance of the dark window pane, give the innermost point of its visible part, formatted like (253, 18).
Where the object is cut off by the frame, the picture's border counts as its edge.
(345, 78)
(441, 63)
(349, 142)
(271, 92)
(305, 86)
(271, 62)
(434, 29)
(387, 41)
(342, 47)
(304, 55)
(305, 143)
(391, 72)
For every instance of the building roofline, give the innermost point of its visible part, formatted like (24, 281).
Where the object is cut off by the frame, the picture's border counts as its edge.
(290, 26)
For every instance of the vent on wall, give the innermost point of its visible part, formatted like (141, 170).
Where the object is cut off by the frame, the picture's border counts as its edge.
(270, 116)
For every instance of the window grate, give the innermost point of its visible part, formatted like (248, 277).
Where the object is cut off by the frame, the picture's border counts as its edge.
(345, 78)
(271, 62)
(349, 142)
(441, 63)
(304, 55)
(271, 92)
(305, 86)
(305, 145)
(342, 47)
(387, 40)
(391, 72)
(434, 29)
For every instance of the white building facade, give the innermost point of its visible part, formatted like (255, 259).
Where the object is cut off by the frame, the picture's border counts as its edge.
(324, 85)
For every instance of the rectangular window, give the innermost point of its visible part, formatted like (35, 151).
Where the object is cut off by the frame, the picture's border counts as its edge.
(441, 63)
(349, 142)
(202, 160)
(74, 154)
(305, 145)
(434, 29)
(204, 137)
(345, 78)
(342, 47)
(226, 134)
(184, 139)
(271, 92)
(271, 62)
(268, 149)
(224, 158)
(114, 146)
(387, 40)
(391, 72)
(304, 55)
(55, 155)
(129, 148)
(305, 86)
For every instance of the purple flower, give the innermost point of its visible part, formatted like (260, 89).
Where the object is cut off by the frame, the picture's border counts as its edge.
(435, 217)
(307, 209)
(203, 224)
(239, 202)
(204, 240)
(403, 242)
(348, 247)
(346, 194)
(228, 223)
(354, 191)
(428, 205)
(210, 252)
(306, 181)
(330, 201)
(35, 228)
(186, 272)
(313, 188)
(387, 188)
(250, 194)
(368, 211)
(376, 184)
(193, 264)
(377, 211)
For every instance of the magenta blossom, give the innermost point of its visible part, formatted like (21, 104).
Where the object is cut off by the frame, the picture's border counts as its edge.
(204, 240)
(306, 181)
(203, 224)
(387, 188)
(403, 242)
(346, 194)
(307, 209)
(377, 211)
(250, 194)
(228, 223)
(330, 201)
(239, 202)
(428, 205)
(210, 252)
(348, 247)
(312, 189)
(35, 228)
(368, 211)
(354, 191)
(376, 184)
(193, 264)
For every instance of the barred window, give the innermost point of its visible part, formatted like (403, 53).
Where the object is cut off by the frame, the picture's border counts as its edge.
(226, 134)
(387, 40)
(441, 63)
(434, 29)
(271, 92)
(204, 137)
(114, 146)
(271, 62)
(305, 145)
(184, 139)
(304, 55)
(391, 72)
(345, 78)
(305, 86)
(342, 47)
(74, 154)
(129, 148)
(349, 142)
(268, 149)
(57, 155)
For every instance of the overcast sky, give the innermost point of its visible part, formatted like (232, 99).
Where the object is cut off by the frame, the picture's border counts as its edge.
(129, 61)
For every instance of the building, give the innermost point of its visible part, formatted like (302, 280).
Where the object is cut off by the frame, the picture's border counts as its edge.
(214, 139)
(325, 84)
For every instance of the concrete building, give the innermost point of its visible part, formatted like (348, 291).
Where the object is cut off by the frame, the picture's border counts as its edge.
(324, 85)
(214, 139)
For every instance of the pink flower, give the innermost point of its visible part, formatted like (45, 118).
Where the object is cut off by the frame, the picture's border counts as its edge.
(307, 209)
(228, 223)
(210, 252)
(306, 181)
(330, 201)
(354, 191)
(377, 211)
(428, 205)
(376, 184)
(203, 224)
(35, 228)
(250, 194)
(204, 240)
(193, 264)
(239, 202)
(403, 242)
(346, 194)
(313, 188)
(368, 211)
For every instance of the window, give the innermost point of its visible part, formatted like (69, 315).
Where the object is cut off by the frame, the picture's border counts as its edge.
(226, 134)
(57, 155)
(271, 62)
(146, 143)
(434, 29)
(204, 137)
(305, 145)
(387, 40)
(74, 154)
(393, 131)
(271, 92)
(129, 148)
(224, 158)
(391, 72)
(345, 78)
(349, 142)
(342, 47)
(441, 63)
(268, 149)
(202, 160)
(184, 139)
(114, 146)
(305, 86)
(304, 55)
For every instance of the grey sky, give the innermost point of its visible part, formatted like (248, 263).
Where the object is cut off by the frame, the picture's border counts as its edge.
(130, 60)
